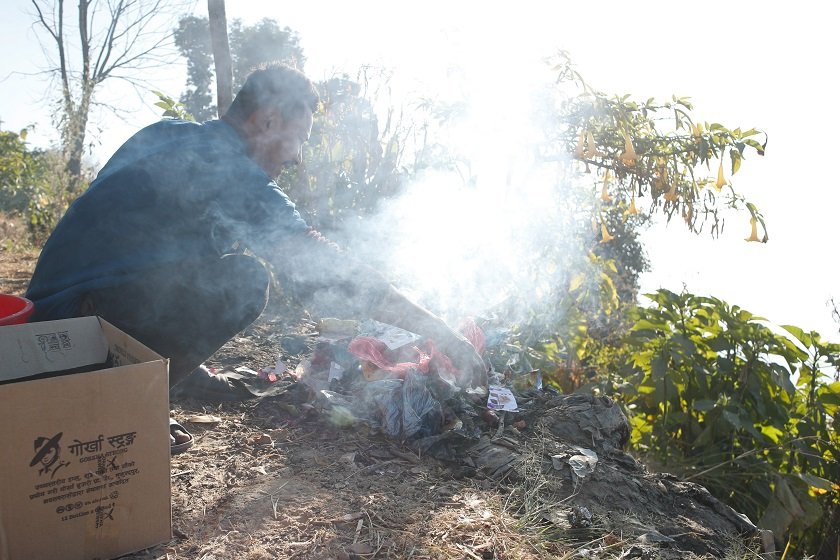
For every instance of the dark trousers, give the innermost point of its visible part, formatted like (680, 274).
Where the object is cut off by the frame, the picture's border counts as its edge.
(186, 311)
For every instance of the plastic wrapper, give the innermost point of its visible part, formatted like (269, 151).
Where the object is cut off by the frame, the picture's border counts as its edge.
(402, 408)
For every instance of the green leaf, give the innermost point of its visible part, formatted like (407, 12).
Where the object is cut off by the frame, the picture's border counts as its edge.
(704, 405)
(735, 156)
(733, 419)
(577, 282)
(645, 324)
(798, 334)
(772, 433)
(658, 369)
(686, 344)
(816, 481)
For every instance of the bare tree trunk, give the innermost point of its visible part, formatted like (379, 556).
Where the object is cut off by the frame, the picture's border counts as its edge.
(221, 54)
(116, 38)
(77, 116)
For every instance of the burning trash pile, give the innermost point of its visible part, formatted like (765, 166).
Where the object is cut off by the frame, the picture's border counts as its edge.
(395, 381)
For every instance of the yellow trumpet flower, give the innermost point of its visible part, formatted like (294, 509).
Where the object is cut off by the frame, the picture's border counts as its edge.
(696, 131)
(753, 231)
(605, 194)
(632, 210)
(721, 180)
(579, 147)
(590, 146)
(605, 235)
(628, 157)
(660, 179)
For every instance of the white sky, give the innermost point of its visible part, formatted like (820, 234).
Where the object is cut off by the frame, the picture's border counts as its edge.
(747, 64)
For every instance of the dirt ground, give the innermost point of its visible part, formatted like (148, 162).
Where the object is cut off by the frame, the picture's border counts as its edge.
(272, 478)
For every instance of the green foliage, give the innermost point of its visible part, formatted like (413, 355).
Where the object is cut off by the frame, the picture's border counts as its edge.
(659, 151)
(19, 169)
(352, 162)
(172, 109)
(33, 184)
(642, 158)
(744, 410)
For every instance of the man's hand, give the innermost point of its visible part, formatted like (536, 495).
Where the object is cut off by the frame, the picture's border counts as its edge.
(473, 370)
(395, 309)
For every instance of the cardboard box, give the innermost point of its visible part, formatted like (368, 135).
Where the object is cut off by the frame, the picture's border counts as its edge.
(84, 468)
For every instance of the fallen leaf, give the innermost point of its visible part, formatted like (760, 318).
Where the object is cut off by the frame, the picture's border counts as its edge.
(203, 419)
(360, 548)
(262, 439)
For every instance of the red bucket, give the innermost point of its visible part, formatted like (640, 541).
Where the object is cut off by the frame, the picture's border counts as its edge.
(14, 310)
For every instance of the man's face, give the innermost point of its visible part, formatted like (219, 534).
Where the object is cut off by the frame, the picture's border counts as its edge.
(277, 143)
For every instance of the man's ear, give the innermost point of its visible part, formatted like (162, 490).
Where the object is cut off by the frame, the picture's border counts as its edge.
(269, 118)
(259, 121)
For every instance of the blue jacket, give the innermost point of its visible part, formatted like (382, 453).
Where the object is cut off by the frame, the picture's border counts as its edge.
(175, 191)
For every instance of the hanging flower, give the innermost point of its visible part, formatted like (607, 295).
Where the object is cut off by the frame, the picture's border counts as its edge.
(753, 231)
(605, 235)
(605, 193)
(632, 210)
(590, 146)
(628, 157)
(660, 179)
(579, 147)
(671, 195)
(721, 180)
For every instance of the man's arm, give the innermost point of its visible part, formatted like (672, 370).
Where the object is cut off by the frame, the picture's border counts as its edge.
(315, 263)
(396, 309)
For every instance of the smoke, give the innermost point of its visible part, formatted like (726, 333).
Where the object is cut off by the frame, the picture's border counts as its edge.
(493, 223)
(495, 228)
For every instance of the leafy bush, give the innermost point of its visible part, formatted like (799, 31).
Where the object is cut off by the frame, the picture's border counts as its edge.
(34, 184)
(748, 412)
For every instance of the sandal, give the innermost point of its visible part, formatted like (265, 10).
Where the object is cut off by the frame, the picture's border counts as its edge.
(179, 438)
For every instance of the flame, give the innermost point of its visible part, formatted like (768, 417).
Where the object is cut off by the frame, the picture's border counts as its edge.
(628, 157)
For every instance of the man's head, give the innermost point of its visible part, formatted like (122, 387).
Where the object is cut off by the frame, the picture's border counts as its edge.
(273, 112)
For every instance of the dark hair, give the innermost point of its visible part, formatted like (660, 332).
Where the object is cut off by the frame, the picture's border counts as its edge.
(274, 83)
